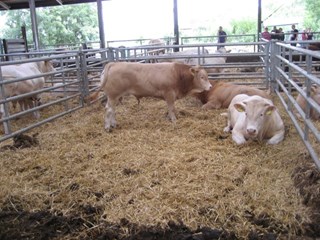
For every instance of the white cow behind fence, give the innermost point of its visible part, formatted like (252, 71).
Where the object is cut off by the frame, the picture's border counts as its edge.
(13, 72)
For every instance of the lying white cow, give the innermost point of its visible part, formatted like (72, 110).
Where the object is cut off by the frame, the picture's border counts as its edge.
(188, 57)
(12, 72)
(157, 51)
(211, 61)
(315, 95)
(254, 117)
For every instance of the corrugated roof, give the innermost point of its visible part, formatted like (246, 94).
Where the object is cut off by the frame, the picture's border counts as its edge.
(21, 4)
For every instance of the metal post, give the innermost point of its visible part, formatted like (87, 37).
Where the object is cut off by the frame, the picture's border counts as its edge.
(34, 24)
(6, 124)
(176, 26)
(259, 19)
(101, 27)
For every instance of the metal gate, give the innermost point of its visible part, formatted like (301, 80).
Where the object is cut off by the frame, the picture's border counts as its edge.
(295, 71)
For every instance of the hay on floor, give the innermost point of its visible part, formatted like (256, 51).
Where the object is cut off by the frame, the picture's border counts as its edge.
(151, 171)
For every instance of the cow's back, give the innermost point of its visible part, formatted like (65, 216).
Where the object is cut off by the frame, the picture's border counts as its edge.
(21, 70)
(302, 102)
(223, 92)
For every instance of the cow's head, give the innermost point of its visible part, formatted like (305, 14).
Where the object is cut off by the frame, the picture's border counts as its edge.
(223, 50)
(315, 90)
(46, 66)
(257, 110)
(200, 79)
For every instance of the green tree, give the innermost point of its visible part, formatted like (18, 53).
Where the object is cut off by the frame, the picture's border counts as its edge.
(312, 16)
(61, 25)
(244, 26)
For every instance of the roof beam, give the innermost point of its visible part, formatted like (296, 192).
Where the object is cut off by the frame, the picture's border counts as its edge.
(5, 6)
(60, 2)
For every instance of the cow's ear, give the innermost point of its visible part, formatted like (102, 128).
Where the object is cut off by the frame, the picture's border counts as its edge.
(194, 70)
(270, 109)
(313, 89)
(240, 107)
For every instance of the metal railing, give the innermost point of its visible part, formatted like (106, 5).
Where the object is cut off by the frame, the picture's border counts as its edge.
(294, 72)
(76, 72)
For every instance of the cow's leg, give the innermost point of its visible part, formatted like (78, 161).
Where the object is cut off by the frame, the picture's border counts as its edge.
(170, 98)
(1, 110)
(237, 133)
(30, 103)
(228, 128)
(211, 105)
(110, 120)
(171, 111)
(238, 137)
(278, 137)
(35, 102)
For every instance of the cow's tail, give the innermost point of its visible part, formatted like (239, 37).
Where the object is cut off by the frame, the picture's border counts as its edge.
(103, 80)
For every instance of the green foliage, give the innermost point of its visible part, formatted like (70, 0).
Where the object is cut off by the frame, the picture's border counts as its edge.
(15, 20)
(312, 16)
(243, 27)
(68, 24)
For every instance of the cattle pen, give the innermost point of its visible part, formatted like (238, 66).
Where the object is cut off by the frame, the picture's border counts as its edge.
(151, 179)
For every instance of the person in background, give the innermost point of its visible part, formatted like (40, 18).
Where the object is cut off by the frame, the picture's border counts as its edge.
(274, 33)
(304, 37)
(309, 34)
(222, 37)
(294, 35)
(281, 34)
(266, 35)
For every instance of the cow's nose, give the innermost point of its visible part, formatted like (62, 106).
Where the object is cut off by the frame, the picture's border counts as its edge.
(251, 130)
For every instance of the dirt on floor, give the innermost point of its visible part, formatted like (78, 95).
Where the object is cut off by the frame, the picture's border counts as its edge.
(151, 179)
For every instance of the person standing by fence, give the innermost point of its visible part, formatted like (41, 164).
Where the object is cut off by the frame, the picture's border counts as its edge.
(294, 35)
(222, 37)
(266, 35)
(275, 33)
(309, 34)
(281, 35)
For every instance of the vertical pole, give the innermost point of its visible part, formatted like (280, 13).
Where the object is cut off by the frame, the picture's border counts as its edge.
(101, 27)
(4, 106)
(34, 24)
(259, 20)
(176, 26)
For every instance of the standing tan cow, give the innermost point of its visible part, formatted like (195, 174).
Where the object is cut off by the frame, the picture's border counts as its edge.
(221, 94)
(254, 117)
(302, 102)
(167, 81)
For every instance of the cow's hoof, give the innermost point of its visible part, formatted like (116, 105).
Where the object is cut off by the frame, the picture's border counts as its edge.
(108, 130)
(227, 129)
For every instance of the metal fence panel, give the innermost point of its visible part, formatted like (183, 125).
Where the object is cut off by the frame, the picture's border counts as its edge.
(295, 72)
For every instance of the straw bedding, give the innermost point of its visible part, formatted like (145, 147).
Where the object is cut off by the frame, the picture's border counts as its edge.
(152, 179)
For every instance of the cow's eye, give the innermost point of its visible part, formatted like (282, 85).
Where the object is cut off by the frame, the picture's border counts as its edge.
(261, 115)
